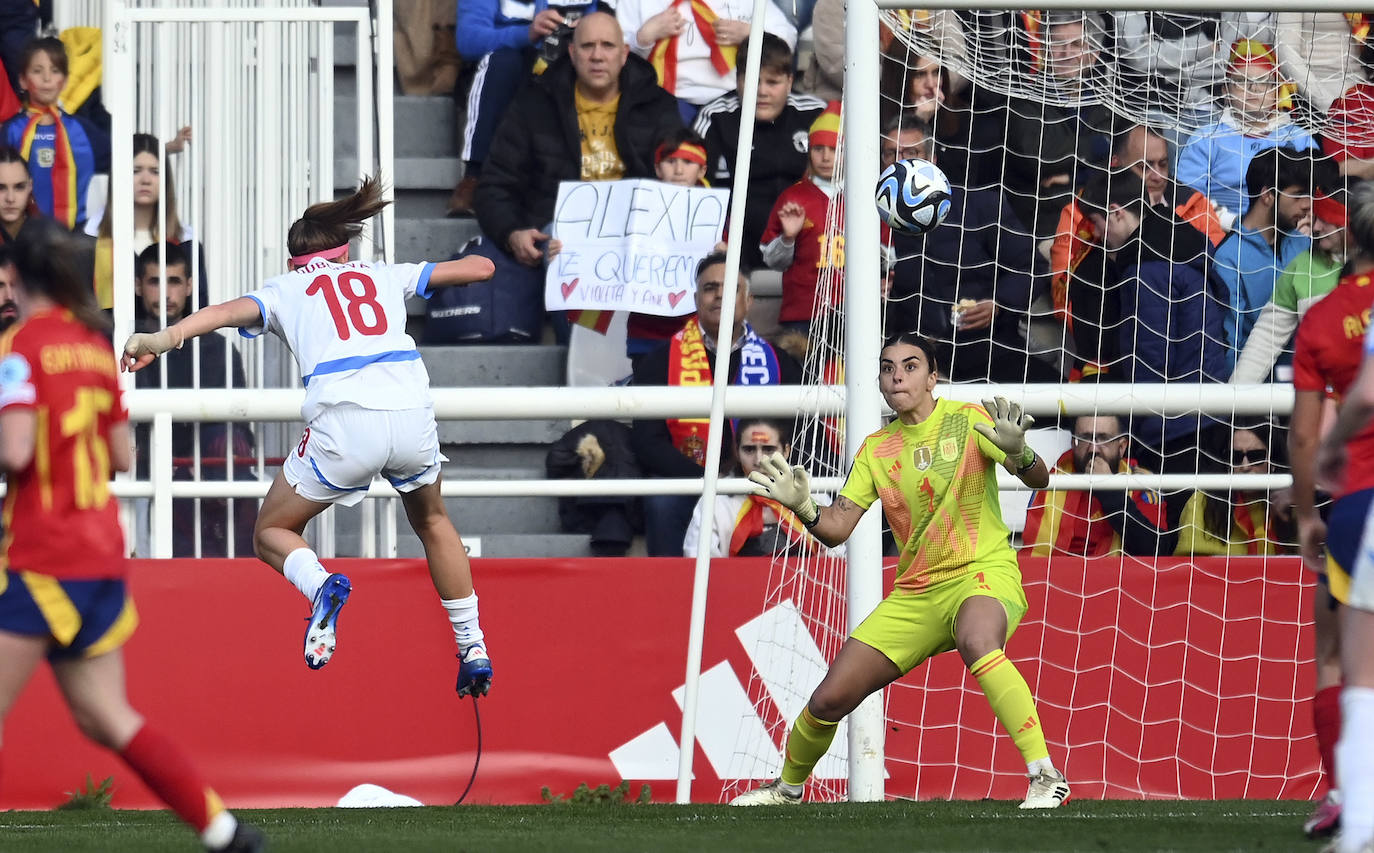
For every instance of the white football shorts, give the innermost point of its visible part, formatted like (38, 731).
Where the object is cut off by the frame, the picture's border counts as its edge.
(346, 446)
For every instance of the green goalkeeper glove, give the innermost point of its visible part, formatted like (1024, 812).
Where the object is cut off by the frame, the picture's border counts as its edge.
(788, 485)
(1008, 430)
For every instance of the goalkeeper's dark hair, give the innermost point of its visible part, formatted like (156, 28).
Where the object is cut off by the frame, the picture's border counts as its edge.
(921, 343)
(333, 223)
(1117, 188)
(47, 262)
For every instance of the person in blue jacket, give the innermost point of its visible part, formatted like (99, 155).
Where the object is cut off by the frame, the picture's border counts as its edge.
(508, 41)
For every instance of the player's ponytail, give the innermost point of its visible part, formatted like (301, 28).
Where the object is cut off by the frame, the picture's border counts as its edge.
(328, 224)
(46, 261)
(1360, 210)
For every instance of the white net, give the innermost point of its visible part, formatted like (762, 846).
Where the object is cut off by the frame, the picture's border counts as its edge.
(1139, 198)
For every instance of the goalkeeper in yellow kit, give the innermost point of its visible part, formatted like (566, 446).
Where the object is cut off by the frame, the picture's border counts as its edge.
(958, 585)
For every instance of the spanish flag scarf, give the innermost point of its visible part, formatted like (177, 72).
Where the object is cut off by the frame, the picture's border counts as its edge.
(664, 55)
(749, 523)
(689, 363)
(64, 203)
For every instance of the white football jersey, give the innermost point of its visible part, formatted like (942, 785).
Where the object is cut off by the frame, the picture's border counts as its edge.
(346, 326)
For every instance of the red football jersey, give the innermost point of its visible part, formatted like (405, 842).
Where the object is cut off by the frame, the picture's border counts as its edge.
(814, 250)
(60, 518)
(1329, 349)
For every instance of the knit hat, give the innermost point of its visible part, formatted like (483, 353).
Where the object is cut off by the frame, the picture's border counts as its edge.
(1253, 55)
(1329, 210)
(1350, 132)
(825, 130)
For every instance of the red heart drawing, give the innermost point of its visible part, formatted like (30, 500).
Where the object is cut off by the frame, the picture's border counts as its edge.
(569, 287)
(675, 298)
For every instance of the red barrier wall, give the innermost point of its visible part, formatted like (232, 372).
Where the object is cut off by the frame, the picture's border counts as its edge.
(1175, 680)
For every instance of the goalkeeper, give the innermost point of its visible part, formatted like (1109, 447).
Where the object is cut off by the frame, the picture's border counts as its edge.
(958, 585)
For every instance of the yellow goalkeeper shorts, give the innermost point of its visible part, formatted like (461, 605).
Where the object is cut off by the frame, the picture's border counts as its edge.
(909, 628)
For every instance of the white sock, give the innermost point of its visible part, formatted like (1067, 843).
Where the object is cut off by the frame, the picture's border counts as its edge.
(789, 788)
(462, 614)
(302, 567)
(1038, 765)
(1355, 767)
(220, 831)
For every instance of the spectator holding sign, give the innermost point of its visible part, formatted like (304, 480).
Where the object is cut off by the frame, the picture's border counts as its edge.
(595, 115)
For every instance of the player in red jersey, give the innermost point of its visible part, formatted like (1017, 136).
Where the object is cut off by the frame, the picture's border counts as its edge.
(1329, 348)
(1345, 467)
(63, 428)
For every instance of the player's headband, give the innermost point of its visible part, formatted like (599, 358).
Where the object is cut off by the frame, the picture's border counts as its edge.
(688, 151)
(323, 254)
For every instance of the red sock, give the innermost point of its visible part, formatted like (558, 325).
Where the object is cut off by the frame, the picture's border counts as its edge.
(1326, 720)
(165, 769)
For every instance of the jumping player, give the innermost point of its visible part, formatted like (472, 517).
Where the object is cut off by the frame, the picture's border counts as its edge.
(367, 408)
(933, 468)
(1343, 468)
(63, 428)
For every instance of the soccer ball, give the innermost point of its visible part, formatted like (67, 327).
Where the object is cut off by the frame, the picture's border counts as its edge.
(912, 196)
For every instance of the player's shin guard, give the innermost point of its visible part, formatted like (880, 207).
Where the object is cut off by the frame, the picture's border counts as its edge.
(1355, 767)
(1326, 722)
(809, 740)
(166, 770)
(1012, 702)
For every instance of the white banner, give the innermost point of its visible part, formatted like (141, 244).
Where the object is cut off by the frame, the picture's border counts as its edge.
(632, 245)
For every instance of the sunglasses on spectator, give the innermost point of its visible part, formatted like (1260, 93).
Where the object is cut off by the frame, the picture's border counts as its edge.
(1095, 438)
(1249, 457)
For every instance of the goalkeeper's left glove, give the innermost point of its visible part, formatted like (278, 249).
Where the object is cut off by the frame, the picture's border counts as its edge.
(788, 485)
(1008, 430)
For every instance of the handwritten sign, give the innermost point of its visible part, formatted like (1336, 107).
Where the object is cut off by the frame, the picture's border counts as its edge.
(632, 245)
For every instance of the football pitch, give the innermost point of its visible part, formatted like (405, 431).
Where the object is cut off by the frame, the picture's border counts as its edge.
(1116, 825)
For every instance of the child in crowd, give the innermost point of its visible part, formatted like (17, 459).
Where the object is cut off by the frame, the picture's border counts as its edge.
(63, 151)
(796, 240)
(680, 160)
(1303, 283)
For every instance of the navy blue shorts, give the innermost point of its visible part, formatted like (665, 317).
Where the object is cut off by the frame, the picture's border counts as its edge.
(1345, 531)
(80, 618)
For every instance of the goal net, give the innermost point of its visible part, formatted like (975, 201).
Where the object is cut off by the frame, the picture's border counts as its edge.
(1155, 674)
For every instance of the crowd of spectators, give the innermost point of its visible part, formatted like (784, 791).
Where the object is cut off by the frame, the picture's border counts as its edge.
(1137, 197)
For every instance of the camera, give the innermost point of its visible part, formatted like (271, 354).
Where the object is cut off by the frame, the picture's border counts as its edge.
(555, 44)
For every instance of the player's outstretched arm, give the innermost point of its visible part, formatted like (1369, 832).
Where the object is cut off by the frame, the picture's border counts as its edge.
(1008, 433)
(143, 347)
(468, 270)
(791, 487)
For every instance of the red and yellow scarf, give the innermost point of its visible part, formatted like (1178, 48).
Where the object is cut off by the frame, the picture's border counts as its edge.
(689, 363)
(664, 55)
(64, 206)
(749, 523)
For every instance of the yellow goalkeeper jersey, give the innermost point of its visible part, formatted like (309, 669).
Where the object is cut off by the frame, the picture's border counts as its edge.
(938, 484)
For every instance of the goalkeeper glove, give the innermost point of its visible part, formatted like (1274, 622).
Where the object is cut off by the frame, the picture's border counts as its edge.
(1008, 430)
(788, 485)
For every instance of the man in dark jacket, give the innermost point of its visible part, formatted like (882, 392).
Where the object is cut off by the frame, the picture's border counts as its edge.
(979, 267)
(1171, 326)
(594, 116)
(677, 447)
(782, 127)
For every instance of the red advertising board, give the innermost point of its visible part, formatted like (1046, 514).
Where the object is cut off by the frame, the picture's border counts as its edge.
(1185, 678)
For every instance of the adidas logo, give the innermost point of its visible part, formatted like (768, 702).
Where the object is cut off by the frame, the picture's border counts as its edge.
(1029, 724)
(732, 736)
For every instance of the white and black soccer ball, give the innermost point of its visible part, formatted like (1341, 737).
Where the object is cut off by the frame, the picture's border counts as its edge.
(913, 196)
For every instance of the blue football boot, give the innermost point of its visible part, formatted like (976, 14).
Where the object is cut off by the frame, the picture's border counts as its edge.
(324, 620)
(474, 671)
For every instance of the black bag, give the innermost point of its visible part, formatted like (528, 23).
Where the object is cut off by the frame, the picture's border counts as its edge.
(507, 308)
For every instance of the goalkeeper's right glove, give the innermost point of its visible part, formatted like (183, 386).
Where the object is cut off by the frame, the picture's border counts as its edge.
(788, 485)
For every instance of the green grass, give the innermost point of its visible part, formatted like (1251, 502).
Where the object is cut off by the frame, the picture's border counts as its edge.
(865, 827)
